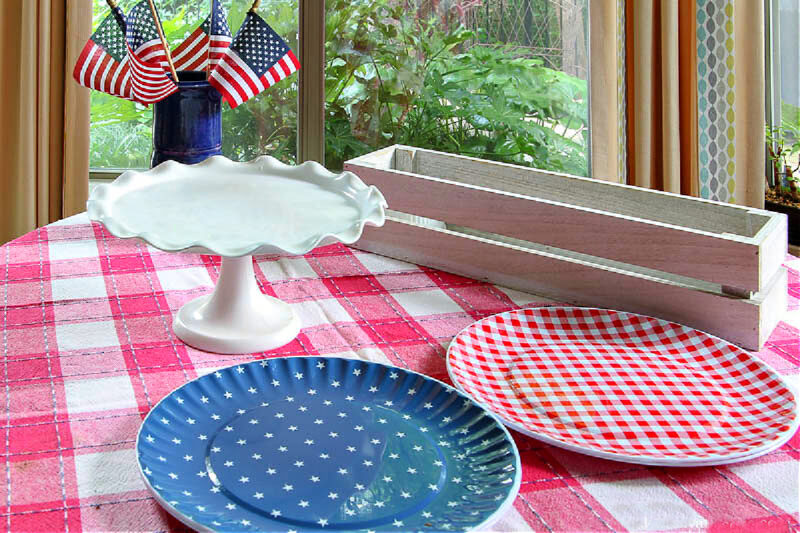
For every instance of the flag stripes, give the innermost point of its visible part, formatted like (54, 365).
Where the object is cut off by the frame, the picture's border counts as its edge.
(193, 53)
(98, 70)
(149, 80)
(238, 83)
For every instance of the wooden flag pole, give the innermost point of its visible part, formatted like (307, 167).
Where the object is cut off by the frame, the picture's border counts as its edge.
(163, 40)
(255, 5)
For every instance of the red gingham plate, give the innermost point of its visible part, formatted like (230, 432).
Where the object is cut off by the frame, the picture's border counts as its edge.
(623, 386)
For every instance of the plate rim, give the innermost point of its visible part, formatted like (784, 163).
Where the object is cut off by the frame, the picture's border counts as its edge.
(371, 207)
(627, 458)
(496, 514)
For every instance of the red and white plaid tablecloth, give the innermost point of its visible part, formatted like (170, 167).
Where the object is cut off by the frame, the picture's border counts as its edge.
(86, 333)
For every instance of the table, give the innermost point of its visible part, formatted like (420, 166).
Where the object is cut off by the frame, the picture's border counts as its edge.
(86, 333)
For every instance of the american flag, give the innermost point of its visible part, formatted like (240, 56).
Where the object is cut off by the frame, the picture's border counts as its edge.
(207, 43)
(103, 62)
(256, 59)
(148, 59)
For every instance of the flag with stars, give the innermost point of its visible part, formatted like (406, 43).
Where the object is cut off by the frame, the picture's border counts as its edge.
(207, 44)
(148, 59)
(256, 59)
(103, 63)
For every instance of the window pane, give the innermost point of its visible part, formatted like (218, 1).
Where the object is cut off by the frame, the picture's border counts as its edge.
(121, 131)
(497, 79)
(789, 18)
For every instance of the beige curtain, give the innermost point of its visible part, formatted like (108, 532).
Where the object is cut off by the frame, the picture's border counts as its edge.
(44, 138)
(661, 94)
(749, 106)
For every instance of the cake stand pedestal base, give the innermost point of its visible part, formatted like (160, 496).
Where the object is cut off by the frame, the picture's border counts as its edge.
(237, 317)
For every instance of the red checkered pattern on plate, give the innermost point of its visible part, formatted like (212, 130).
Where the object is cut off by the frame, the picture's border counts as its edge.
(621, 383)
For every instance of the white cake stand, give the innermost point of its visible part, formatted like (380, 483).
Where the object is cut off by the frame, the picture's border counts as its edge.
(236, 210)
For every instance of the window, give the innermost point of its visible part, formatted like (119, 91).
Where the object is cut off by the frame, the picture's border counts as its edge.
(782, 34)
(121, 131)
(500, 79)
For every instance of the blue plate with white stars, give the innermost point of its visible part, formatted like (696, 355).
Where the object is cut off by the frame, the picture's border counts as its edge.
(326, 444)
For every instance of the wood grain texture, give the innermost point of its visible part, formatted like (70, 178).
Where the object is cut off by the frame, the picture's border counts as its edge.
(773, 246)
(311, 80)
(729, 245)
(742, 321)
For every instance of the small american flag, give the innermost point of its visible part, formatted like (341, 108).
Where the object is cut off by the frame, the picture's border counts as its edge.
(148, 59)
(103, 62)
(207, 43)
(256, 59)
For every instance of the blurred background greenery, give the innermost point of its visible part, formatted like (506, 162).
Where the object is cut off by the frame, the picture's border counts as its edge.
(497, 79)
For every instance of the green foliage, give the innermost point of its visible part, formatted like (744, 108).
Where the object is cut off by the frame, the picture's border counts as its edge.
(394, 74)
(395, 78)
(790, 115)
(783, 145)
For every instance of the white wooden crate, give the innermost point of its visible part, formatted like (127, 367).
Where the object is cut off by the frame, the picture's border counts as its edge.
(712, 266)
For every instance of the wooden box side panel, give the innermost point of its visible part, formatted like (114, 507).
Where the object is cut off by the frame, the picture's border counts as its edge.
(737, 320)
(654, 206)
(727, 262)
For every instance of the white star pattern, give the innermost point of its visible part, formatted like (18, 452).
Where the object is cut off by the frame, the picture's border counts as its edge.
(351, 451)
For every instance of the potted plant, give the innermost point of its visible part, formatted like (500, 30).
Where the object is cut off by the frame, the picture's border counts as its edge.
(783, 183)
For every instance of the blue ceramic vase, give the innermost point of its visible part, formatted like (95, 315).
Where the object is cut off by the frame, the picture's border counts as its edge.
(187, 125)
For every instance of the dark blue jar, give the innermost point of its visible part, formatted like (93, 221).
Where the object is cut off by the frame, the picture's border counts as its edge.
(187, 125)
